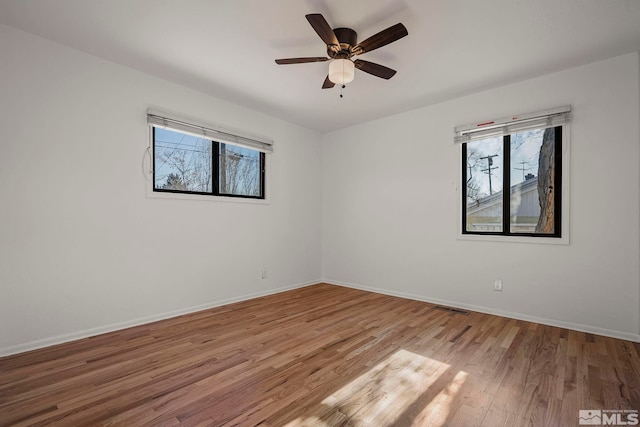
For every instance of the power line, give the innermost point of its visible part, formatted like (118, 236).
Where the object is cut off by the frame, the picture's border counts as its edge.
(489, 169)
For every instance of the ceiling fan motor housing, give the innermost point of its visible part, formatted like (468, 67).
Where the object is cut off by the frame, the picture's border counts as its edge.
(348, 38)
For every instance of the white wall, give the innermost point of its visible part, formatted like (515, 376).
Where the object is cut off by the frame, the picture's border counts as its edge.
(84, 250)
(390, 207)
(82, 247)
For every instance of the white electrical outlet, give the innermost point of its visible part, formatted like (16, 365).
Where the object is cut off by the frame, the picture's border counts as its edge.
(265, 273)
(497, 285)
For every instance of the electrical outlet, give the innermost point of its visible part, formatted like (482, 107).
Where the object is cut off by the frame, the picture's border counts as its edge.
(497, 285)
(265, 273)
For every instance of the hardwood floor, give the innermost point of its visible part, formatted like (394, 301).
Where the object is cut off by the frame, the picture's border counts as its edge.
(323, 356)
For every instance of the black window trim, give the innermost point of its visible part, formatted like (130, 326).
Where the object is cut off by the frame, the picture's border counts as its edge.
(215, 152)
(506, 195)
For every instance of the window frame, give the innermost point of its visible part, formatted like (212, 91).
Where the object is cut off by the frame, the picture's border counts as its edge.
(506, 193)
(215, 164)
(558, 116)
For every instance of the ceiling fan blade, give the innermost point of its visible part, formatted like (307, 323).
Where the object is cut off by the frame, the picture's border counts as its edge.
(328, 84)
(301, 60)
(382, 38)
(321, 26)
(374, 69)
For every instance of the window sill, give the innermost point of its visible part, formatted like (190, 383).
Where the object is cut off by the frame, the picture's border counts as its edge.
(514, 239)
(204, 198)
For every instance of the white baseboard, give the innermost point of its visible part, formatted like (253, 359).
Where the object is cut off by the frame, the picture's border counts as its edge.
(511, 315)
(60, 339)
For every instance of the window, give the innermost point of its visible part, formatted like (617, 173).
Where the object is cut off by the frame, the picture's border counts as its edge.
(191, 159)
(512, 176)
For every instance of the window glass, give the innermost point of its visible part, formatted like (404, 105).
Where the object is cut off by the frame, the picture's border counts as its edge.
(529, 163)
(240, 170)
(184, 163)
(532, 175)
(484, 160)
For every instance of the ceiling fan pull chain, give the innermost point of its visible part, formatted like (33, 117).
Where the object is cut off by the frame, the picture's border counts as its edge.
(341, 87)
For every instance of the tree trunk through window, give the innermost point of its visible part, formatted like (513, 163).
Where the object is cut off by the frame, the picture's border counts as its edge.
(546, 178)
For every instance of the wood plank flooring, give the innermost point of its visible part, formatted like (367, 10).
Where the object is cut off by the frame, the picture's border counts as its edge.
(323, 356)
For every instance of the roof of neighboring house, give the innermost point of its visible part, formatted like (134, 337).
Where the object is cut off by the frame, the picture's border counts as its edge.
(523, 187)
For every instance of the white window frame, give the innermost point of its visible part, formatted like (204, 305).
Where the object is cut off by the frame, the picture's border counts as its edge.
(552, 117)
(197, 128)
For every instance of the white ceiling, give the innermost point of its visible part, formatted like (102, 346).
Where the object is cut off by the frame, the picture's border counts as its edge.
(227, 47)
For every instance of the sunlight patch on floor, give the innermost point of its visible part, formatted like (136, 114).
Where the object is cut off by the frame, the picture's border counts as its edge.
(437, 410)
(393, 389)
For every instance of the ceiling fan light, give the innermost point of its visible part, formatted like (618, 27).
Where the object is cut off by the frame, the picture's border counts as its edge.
(341, 71)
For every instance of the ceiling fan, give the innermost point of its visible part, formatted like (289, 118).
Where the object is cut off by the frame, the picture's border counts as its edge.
(342, 45)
